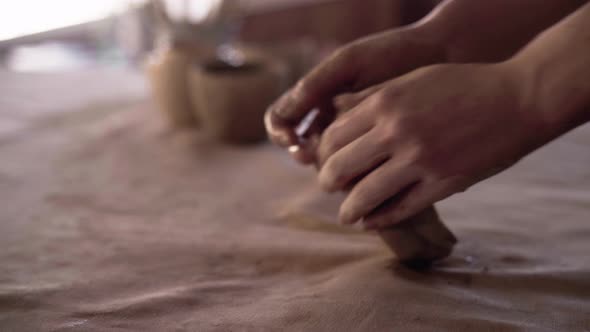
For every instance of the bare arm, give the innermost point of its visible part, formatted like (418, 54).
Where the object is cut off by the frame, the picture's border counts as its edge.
(441, 129)
(555, 71)
(457, 31)
(490, 31)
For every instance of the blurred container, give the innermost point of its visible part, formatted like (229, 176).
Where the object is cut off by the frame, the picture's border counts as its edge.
(166, 70)
(231, 99)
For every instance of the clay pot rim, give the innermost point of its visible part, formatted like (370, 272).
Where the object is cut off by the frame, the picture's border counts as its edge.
(264, 59)
(216, 66)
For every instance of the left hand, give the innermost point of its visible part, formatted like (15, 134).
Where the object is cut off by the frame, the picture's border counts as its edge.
(353, 67)
(423, 137)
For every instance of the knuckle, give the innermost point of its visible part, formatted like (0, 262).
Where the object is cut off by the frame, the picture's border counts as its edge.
(329, 135)
(380, 100)
(386, 138)
(420, 152)
(329, 144)
(383, 102)
(408, 159)
(328, 150)
(393, 92)
(345, 102)
(417, 150)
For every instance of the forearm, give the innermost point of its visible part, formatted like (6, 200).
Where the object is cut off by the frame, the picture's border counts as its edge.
(489, 31)
(554, 73)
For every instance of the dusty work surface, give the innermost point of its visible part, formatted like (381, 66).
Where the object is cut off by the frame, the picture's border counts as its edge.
(109, 223)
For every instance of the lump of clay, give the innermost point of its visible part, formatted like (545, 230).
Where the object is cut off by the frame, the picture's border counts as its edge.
(420, 240)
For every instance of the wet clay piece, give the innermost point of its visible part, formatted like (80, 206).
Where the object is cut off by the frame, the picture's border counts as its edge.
(420, 240)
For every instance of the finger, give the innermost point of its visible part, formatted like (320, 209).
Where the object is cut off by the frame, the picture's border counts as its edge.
(280, 131)
(284, 133)
(330, 77)
(324, 116)
(337, 137)
(413, 200)
(375, 188)
(348, 101)
(316, 120)
(347, 128)
(308, 133)
(353, 160)
(305, 152)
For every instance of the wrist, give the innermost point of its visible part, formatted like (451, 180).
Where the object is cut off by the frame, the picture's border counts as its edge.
(470, 30)
(553, 97)
(553, 73)
(454, 34)
(514, 85)
(430, 37)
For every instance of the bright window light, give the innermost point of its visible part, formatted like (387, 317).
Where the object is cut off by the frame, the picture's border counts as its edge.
(23, 17)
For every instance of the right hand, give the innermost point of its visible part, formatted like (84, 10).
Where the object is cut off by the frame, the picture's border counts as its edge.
(352, 68)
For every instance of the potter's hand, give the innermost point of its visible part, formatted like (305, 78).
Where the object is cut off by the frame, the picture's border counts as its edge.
(423, 137)
(459, 31)
(354, 67)
(440, 129)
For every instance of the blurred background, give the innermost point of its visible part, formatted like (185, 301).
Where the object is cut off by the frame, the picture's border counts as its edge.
(67, 31)
(184, 56)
